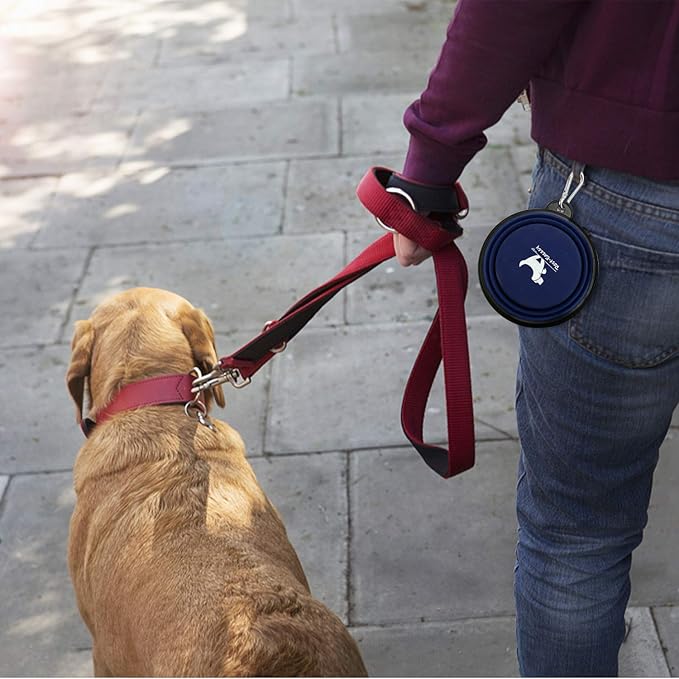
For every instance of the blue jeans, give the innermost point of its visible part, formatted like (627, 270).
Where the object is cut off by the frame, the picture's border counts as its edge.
(594, 401)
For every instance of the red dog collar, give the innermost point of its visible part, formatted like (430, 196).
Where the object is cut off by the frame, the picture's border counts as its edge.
(162, 390)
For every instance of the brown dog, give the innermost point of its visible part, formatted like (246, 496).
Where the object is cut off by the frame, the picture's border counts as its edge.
(181, 565)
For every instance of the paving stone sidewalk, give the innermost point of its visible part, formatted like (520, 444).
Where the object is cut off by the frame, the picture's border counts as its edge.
(213, 148)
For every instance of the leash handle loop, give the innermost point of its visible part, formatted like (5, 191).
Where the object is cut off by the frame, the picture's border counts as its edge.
(445, 342)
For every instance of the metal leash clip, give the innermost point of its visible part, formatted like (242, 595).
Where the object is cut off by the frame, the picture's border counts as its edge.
(196, 406)
(217, 376)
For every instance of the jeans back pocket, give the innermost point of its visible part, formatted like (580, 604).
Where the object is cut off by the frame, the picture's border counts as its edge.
(632, 316)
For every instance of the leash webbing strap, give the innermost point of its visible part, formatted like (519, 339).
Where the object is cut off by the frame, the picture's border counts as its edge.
(445, 342)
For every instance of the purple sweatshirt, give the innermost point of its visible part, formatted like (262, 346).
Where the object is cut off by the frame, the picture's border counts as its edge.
(604, 84)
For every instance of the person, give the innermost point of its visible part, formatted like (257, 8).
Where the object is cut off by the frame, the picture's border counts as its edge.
(595, 394)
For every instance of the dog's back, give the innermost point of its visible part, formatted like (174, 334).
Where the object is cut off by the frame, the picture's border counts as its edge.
(183, 567)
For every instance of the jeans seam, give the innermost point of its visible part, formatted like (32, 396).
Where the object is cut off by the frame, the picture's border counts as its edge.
(614, 200)
(576, 334)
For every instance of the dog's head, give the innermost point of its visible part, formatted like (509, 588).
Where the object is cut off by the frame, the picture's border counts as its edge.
(139, 333)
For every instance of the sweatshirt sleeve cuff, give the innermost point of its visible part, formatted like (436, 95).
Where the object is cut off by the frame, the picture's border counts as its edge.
(428, 162)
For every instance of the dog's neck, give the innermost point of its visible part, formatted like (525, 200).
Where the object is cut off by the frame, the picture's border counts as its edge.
(158, 390)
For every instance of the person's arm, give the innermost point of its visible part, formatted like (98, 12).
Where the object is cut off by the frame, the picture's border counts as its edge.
(492, 49)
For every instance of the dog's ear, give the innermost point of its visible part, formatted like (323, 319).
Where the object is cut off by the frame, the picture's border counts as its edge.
(79, 368)
(198, 331)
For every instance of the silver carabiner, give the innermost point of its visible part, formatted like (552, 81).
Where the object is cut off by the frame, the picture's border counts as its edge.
(565, 198)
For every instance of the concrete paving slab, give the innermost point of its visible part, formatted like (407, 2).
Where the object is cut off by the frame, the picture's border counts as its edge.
(372, 124)
(411, 7)
(163, 204)
(493, 343)
(354, 406)
(484, 647)
(39, 431)
(321, 195)
(60, 145)
(444, 549)
(34, 88)
(667, 623)
(348, 382)
(287, 129)
(493, 187)
(407, 31)
(353, 72)
(24, 204)
(642, 655)
(35, 306)
(513, 129)
(654, 572)
(180, 14)
(240, 38)
(40, 628)
(74, 664)
(246, 409)
(194, 88)
(4, 480)
(230, 279)
(310, 493)
(392, 293)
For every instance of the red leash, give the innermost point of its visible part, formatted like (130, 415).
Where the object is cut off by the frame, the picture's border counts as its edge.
(446, 340)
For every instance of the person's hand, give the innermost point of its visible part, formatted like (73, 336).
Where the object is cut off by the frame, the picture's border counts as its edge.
(408, 252)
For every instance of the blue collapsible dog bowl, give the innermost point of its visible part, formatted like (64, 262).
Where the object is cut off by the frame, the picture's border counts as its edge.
(537, 267)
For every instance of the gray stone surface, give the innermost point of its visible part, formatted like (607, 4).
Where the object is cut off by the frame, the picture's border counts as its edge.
(67, 144)
(238, 36)
(282, 129)
(35, 306)
(486, 647)
(493, 188)
(228, 278)
(654, 573)
(157, 203)
(39, 431)
(24, 203)
(310, 494)
(321, 195)
(246, 409)
(641, 655)
(361, 72)
(380, 33)
(372, 124)
(667, 622)
(237, 190)
(482, 647)
(349, 382)
(195, 88)
(524, 158)
(425, 548)
(397, 294)
(40, 629)
(410, 7)
(493, 344)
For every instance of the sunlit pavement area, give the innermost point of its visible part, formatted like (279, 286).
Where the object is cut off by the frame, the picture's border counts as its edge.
(213, 148)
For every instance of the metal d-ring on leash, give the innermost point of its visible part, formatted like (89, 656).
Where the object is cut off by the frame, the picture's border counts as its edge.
(399, 192)
(196, 405)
